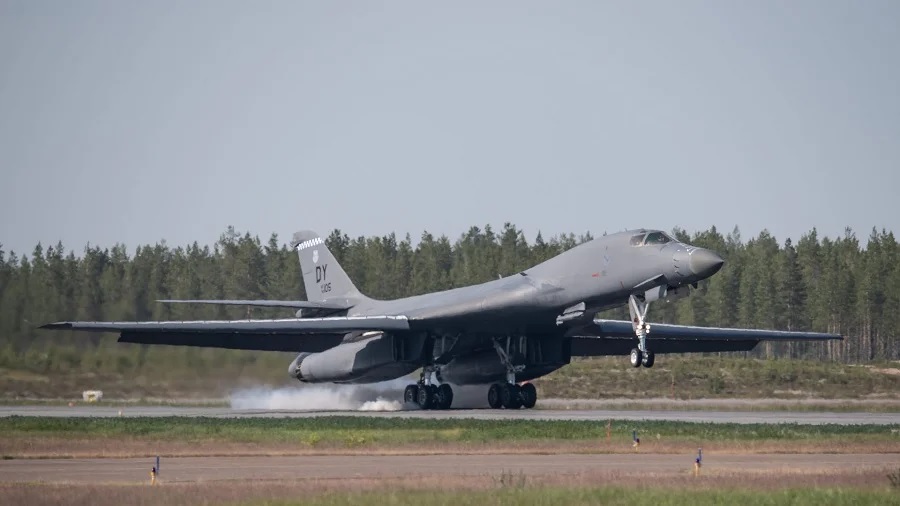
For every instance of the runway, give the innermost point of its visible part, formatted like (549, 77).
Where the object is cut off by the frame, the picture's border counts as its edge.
(197, 469)
(745, 417)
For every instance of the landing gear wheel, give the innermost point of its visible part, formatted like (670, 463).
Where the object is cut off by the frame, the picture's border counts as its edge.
(649, 359)
(426, 397)
(435, 400)
(636, 357)
(494, 396)
(509, 396)
(411, 394)
(444, 396)
(528, 395)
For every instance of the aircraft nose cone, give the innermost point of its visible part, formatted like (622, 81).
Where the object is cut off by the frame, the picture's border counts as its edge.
(704, 263)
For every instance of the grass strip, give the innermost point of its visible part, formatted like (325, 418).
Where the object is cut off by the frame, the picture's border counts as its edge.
(635, 496)
(358, 431)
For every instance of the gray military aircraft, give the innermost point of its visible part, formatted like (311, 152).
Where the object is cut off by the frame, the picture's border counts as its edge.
(501, 333)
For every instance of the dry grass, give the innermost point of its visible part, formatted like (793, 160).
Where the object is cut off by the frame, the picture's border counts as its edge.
(695, 377)
(34, 447)
(739, 405)
(165, 375)
(264, 490)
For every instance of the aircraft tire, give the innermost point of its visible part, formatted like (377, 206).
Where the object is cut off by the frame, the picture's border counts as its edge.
(494, 396)
(411, 394)
(649, 359)
(510, 397)
(435, 397)
(636, 357)
(426, 397)
(528, 395)
(445, 396)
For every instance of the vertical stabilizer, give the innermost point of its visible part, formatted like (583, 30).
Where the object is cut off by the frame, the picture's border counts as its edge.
(323, 277)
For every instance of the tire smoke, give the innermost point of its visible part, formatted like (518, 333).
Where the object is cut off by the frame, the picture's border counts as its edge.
(384, 396)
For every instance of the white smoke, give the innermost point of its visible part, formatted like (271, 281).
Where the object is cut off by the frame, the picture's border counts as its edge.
(470, 397)
(384, 396)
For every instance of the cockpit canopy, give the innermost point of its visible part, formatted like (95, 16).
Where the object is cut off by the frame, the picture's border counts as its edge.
(650, 238)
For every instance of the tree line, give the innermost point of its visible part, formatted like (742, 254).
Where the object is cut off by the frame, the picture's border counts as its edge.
(818, 284)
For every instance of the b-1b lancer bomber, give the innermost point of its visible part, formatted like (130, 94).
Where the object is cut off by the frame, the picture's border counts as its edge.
(502, 333)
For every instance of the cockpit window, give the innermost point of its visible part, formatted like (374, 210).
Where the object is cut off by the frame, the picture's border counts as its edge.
(637, 240)
(657, 238)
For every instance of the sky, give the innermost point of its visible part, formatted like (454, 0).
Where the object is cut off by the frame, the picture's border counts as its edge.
(125, 121)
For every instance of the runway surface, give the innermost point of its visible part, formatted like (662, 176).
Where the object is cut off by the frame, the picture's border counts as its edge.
(191, 469)
(842, 418)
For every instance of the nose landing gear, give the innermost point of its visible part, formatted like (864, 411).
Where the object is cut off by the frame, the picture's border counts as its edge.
(640, 355)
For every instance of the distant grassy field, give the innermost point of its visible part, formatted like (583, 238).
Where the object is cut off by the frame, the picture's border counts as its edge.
(675, 377)
(720, 377)
(454, 491)
(37, 436)
(607, 496)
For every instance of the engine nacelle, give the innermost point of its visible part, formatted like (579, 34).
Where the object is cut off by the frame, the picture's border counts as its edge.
(371, 357)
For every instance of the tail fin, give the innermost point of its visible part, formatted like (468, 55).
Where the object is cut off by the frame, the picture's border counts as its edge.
(323, 277)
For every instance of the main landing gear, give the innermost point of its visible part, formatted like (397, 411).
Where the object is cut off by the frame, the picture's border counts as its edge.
(509, 395)
(640, 355)
(426, 395)
(512, 396)
(505, 394)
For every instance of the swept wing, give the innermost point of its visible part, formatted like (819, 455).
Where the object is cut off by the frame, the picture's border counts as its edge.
(293, 304)
(615, 337)
(291, 334)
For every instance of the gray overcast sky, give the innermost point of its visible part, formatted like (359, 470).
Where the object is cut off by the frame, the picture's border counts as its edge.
(135, 121)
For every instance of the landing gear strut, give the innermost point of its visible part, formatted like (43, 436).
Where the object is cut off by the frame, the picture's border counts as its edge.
(426, 395)
(640, 355)
(510, 395)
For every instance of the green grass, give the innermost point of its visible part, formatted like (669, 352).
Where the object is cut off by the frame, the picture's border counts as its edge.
(632, 496)
(160, 376)
(720, 377)
(730, 405)
(362, 431)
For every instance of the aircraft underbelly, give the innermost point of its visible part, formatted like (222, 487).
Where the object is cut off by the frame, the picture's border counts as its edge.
(537, 354)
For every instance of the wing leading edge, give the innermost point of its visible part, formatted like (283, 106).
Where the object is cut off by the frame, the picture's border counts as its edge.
(293, 304)
(614, 337)
(292, 334)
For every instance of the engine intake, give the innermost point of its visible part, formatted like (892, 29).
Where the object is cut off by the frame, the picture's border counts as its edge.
(363, 358)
